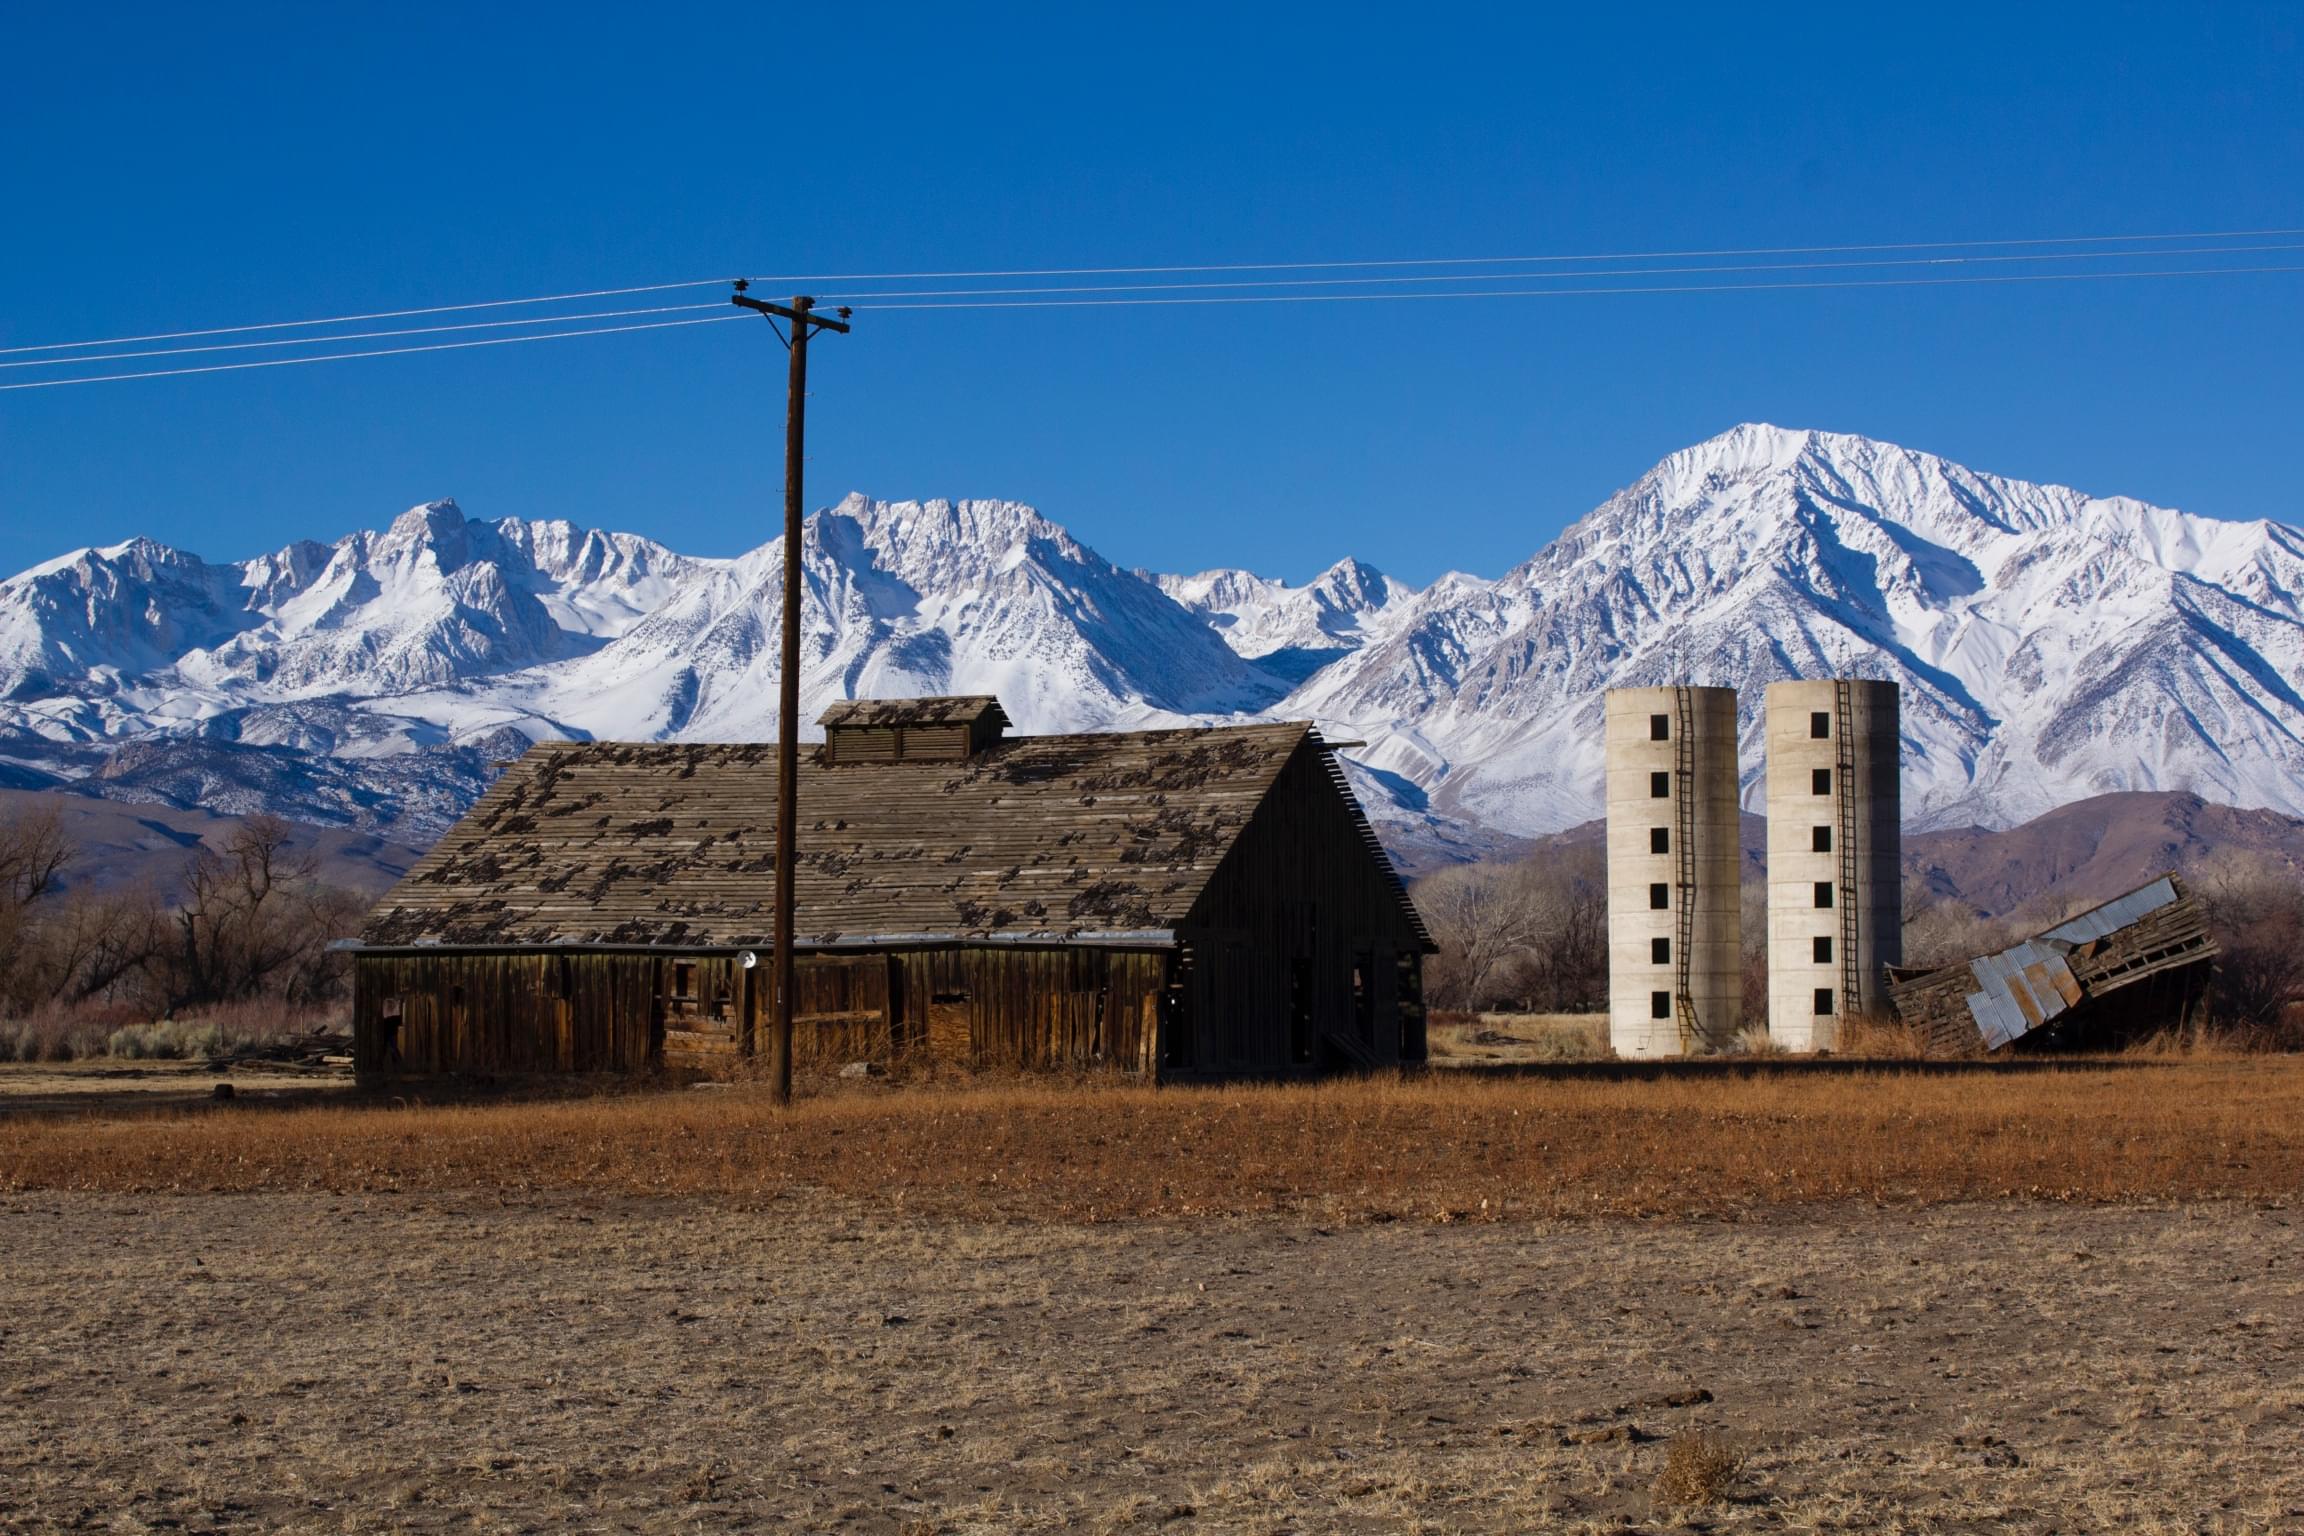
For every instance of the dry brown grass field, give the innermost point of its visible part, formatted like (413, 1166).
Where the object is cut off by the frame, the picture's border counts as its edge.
(1706, 1138)
(1817, 1297)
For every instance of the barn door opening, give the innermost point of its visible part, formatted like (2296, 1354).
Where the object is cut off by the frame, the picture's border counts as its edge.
(950, 1036)
(1176, 1022)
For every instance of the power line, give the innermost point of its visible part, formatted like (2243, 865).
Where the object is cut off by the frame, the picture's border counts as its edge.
(337, 357)
(1125, 271)
(331, 339)
(1562, 293)
(1227, 285)
(1494, 277)
(1196, 299)
(381, 314)
(1476, 261)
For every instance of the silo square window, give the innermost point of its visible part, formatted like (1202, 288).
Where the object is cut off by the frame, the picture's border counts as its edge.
(1823, 893)
(1819, 725)
(1659, 727)
(1823, 949)
(1659, 785)
(1659, 1005)
(1820, 840)
(1823, 1001)
(1659, 839)
(1820, 781)
(1660, 951)
(1659, 897)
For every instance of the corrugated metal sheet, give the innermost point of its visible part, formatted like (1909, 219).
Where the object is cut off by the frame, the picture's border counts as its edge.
(2118, 913)
(2020, 988)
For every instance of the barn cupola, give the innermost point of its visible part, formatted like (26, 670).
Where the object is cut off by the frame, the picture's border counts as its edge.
(947, 730)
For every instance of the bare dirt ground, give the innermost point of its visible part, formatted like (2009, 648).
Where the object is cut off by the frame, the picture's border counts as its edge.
(446, 1362)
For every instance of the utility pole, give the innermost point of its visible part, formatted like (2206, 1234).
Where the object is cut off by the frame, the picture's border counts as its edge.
(801, 314)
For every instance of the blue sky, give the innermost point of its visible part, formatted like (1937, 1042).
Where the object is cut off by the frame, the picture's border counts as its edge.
(175, 167)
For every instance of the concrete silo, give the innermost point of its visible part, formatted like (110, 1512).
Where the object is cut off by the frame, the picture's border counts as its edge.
(1675, 984)
(1835, 882)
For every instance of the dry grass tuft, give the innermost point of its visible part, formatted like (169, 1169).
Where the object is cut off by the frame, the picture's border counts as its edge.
(1485, 1039)
(2209, 1044)
(1713, 1138)
(1878, 1039)
(1698, 1467)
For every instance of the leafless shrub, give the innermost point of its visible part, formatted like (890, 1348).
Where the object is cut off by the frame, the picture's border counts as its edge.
(262, 1021)
(1698, 1467)
(1752, 919)
(62, 1032)
(1940, 930)
(168, 1040)
(2256, 911)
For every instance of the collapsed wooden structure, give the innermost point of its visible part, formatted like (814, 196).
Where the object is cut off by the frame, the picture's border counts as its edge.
(1173, 903)
(2139, 963)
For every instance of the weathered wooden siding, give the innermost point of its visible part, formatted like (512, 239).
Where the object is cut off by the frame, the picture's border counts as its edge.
(1301, 956)
(1033, 1006)
(840, 1010)
(503, 1012)
(526, 1011)
(898, 743)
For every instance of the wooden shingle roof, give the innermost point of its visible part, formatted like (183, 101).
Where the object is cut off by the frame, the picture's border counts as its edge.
(1036, 836)
(941, 709)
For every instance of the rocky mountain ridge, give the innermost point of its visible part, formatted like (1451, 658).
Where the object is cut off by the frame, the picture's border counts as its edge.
(2051, 645)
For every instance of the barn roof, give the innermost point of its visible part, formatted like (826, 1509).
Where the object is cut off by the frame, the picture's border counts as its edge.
(1062, 837)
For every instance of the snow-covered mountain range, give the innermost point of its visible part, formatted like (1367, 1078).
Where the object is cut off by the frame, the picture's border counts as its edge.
(2051, 645)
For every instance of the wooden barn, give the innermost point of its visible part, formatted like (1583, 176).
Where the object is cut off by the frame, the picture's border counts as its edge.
(1189, 903)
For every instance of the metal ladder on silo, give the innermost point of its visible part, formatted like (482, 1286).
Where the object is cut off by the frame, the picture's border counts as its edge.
(1847, 899)
(1684, 866)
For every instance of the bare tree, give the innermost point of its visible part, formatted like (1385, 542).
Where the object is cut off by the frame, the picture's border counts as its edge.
(248, 920)
(100, 944)
(1482, 921)
(1567, 962)
(33, 856)
(1531, 934)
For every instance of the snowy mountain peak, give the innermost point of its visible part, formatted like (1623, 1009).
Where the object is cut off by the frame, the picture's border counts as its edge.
(431, 524)
(1293, 632)
(2050, 645)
